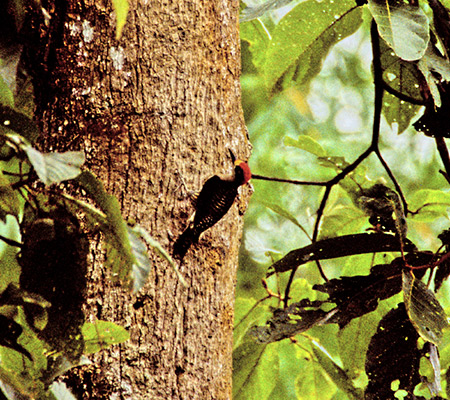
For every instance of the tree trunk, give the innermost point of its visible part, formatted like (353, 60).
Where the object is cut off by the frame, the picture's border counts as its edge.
(160, 103)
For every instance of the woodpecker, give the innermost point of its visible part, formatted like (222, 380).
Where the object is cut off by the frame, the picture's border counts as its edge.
(212, 203)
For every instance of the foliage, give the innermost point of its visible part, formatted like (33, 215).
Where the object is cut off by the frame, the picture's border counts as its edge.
(344, 313)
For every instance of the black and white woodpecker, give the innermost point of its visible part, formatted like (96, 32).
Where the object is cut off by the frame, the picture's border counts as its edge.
(212, 203)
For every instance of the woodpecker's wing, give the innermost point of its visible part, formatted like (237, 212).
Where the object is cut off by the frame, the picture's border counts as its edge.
(213, 202)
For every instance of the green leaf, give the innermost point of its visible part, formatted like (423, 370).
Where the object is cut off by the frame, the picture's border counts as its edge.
(156, 246)
(284, 213)
(61, 392)
(403, 26)
(55, 167)
(141, 268)
(303, 37)
(306, 143)
(424, 310)
(336, 373)
(120, 256)
(255, 370)
(9, 202)
(121, 9)
(250, 13)
(256, 34)
(6, 95)
(100, 335)
(428, 204)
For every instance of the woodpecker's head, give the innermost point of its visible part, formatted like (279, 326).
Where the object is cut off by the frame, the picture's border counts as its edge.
(242, 172)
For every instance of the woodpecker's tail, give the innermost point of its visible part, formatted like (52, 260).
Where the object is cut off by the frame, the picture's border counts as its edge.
(186, 239)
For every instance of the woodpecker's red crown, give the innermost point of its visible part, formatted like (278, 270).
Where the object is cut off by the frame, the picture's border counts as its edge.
(242, 171)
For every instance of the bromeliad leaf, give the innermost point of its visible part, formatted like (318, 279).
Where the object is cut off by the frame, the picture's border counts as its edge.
(403, 26)
(120, 256)
(424, 310)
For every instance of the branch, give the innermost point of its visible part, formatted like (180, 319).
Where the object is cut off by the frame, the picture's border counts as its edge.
(443, 152)
(402, 96)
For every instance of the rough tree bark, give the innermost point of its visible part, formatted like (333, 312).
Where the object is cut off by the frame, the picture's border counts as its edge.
(163, 99)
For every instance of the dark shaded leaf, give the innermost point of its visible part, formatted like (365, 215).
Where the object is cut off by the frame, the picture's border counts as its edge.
(13, 120)
(384, 207)
(342, 246)
(297, 318)
(435, 121)
(441, 21)
(10, 331)
(424, 310)
(54, 261)
(393, 355)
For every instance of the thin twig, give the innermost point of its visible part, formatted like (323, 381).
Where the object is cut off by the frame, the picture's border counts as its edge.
(11, 242)
(293, 181)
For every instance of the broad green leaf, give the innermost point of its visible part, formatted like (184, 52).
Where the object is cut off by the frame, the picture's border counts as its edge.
(337, 374)
(255, 370)
(309, 29)
(424, 310)
(310, 63)
(354, 340)
(55, 167)
(248, 313)
(313, 383)
(121, 9)
(429, 204)
(257, 36)
(250, 13)
(306, 143)
(102, 334)
(9, 202)
(403, 26)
